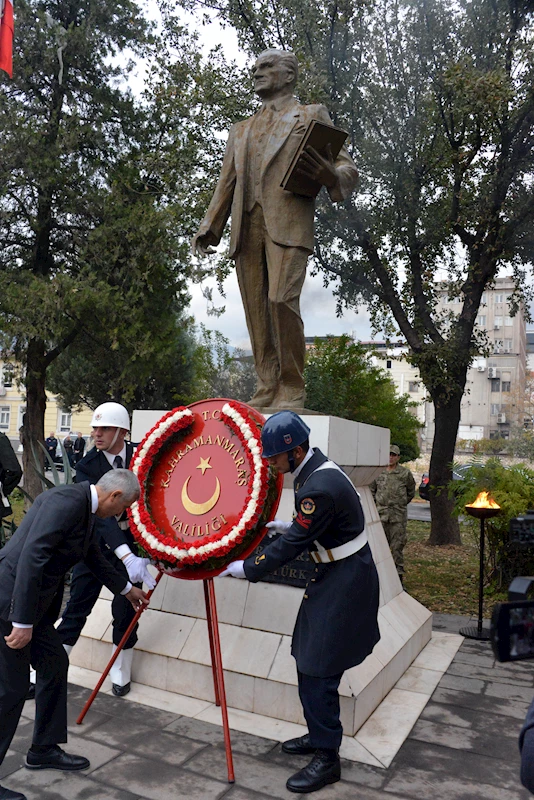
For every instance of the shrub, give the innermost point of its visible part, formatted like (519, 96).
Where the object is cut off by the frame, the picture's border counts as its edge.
(513, 489)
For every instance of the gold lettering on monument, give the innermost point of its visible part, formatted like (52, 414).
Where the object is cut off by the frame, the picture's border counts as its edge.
(220, 441)
(199, 530)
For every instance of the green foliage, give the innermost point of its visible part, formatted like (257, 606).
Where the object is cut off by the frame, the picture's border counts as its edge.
(436, 96)
(342, 381)
(218, 372)
(489, 446)
(100, 193)
(513, 489)
(521, 445)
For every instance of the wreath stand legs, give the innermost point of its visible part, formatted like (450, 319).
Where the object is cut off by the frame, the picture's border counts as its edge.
(217, 668)
(216, 665)
(115, 655)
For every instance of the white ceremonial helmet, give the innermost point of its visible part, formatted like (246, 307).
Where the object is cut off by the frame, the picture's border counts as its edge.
(111, 415)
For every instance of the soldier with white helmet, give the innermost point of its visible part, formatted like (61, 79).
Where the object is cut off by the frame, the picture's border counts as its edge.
(110, 423)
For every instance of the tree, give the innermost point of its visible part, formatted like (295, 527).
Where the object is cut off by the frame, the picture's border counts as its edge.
(62, 121)
(218, 372)
(437, 98)
(342, 381)
(98, 201)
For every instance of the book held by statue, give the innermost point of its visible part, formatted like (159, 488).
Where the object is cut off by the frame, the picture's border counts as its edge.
(318, 135)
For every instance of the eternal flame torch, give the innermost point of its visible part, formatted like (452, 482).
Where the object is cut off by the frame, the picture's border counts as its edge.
(483, 508)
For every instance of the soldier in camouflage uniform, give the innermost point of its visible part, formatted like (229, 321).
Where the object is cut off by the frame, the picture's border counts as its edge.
(392, 491)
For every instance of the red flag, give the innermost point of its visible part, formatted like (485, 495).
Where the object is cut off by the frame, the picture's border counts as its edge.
(7, 28)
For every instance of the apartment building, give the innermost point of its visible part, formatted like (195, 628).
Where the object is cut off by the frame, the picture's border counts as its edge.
(13, 408)
(495, 382)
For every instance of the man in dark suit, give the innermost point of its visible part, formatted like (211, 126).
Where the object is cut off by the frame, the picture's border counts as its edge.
(51, 445)
(56, 533)
(272, 230)
(110, 423)
(79, 448)
(337, 625)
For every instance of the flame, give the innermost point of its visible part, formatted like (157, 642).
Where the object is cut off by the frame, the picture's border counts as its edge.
(483, 501)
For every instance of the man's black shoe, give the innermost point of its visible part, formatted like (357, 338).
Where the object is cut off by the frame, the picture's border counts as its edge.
(120, 691)
(299, 747)
(56, 758)
(7, 794)
(324, 768)
(29, 696)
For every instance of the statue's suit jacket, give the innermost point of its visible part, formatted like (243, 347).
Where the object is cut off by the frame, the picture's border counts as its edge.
(289, 218)
(56, 533)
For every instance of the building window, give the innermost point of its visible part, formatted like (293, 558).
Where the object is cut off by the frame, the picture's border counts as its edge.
(388, 364)
(65, 421)
(508, 320)
(484, 298)
(495, 409)
(497, 322)
(506, 386)
(413, 386)
(508, 345)
(495, 385)
(5, 413)
(481, 320)
(499, 297)
(7, 376)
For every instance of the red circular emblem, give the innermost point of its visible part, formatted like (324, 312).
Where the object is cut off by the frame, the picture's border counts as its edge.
(206, 493)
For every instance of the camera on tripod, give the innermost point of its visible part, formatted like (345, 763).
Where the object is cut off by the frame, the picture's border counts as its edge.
(512, 623)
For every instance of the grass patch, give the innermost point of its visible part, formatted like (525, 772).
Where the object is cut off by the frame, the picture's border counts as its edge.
(445, 579)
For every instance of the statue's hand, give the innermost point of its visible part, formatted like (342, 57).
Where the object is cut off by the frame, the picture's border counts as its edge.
(318, 168)
(201, 245)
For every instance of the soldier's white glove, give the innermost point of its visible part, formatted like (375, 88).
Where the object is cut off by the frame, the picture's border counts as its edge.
(137, 570)
(278, 526)
(235, 569)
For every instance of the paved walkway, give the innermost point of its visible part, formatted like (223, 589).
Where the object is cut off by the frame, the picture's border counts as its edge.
(463, 747)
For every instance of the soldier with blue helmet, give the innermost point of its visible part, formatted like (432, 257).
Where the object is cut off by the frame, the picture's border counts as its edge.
(337, 625)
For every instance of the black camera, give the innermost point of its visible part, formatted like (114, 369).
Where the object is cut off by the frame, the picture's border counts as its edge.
(512, 623)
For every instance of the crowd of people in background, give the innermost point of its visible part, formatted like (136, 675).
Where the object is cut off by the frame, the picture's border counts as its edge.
(74, 445)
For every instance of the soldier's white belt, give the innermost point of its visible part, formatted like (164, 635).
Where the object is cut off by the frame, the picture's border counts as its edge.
(323, 556)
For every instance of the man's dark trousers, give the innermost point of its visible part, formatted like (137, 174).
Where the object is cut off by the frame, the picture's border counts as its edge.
(47, 655)
(320, 703)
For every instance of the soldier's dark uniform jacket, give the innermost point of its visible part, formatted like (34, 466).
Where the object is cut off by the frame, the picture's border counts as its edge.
(337, 626)
(111, 533)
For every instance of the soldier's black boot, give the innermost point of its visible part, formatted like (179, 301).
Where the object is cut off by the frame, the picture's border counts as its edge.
(324, 768)
(299, 747)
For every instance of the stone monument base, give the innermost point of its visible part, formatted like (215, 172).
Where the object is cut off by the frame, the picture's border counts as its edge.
(256, 620)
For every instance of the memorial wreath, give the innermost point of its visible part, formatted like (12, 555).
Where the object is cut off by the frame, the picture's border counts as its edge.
(184, 536)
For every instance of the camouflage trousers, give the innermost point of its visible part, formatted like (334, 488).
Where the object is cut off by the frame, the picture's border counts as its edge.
(397, 538)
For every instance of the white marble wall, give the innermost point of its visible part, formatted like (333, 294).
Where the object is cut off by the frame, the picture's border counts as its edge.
(256, 620)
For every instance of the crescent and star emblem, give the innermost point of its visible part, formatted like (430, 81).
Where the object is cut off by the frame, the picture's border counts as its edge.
(197, 509)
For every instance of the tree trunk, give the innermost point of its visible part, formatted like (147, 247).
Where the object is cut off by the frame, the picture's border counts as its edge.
(34, 418)
(444, 527)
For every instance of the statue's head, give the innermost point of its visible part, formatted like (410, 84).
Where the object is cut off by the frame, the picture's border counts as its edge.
(275, 73)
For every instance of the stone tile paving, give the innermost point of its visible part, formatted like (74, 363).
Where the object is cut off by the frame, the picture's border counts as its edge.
(463, 747)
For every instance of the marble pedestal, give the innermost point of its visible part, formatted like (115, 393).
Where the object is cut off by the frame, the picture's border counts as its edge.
(256, 620)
